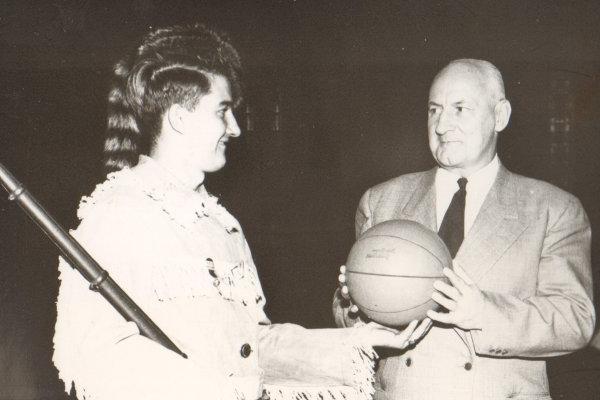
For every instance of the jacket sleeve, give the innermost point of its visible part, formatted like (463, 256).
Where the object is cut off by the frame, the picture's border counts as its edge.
(363, 219)
(95, 347)
(559, 318)
(312, 363)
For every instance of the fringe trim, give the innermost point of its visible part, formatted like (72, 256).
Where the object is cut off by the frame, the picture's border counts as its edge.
(183, 206)
(363, 371)
(316, 393)
(102, 192)
(363, 366)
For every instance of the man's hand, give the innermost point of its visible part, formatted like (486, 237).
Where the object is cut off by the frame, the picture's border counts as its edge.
(463, 300)
(415, 333)
(353, 310)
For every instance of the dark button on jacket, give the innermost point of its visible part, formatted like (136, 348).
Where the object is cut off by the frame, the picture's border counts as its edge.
(245, 350)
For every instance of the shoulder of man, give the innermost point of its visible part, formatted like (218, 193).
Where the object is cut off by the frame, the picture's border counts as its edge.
(536, 188)
(401, 184)
(541, 194)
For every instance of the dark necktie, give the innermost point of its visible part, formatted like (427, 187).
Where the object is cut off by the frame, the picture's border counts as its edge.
(452, 229)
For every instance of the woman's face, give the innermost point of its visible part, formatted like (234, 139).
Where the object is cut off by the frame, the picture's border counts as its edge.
(209, 126)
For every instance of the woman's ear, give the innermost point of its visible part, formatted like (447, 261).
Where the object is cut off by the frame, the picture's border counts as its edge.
(176, 117)
(502, 114)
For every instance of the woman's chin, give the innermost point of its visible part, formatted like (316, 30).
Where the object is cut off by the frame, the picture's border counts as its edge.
(217, 166)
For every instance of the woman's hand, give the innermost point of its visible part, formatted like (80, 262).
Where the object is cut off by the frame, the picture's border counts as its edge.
(382, 336)
(376, 335)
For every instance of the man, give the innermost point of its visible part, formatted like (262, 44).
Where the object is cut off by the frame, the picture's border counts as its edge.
(521, 283)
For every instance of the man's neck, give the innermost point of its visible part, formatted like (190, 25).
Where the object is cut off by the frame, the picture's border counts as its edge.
(467, 172)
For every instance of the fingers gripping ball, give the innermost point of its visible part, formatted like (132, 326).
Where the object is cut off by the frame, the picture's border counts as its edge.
(391, 270)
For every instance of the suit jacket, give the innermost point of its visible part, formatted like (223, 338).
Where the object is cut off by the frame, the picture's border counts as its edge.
(529, 251)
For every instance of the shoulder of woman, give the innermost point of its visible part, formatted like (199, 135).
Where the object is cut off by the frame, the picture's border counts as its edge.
(121, 192)
(117, 209)
(120, 226)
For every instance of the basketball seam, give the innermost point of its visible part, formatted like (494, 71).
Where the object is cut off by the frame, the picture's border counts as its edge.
(397, 311)
(408, 240)
(400, 276)
(397, 276)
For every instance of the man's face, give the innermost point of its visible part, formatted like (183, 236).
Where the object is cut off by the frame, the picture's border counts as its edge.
(461, 121)
(210, 126)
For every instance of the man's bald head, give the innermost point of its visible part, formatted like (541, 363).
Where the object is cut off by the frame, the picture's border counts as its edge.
(488, 75)
(467, 109)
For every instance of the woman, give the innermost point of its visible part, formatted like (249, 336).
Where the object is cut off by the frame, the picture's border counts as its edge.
(182, 257)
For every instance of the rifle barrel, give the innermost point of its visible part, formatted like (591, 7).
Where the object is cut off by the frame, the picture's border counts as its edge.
(81, 260)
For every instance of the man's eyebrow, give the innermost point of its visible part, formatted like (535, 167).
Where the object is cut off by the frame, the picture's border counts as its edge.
(226, 103)
(433, 103)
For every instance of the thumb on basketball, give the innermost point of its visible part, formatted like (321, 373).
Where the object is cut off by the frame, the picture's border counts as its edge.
(421, 330)
(376, 335)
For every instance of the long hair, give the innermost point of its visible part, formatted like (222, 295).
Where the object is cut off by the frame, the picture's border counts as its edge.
(171, 66)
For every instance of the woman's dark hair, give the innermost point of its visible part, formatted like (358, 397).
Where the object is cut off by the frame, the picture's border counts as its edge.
(172, 66)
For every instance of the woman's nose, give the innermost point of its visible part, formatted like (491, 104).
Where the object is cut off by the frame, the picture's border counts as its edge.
(233, 129)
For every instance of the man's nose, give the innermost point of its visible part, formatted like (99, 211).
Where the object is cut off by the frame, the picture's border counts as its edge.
(444, 123)
(233, 129)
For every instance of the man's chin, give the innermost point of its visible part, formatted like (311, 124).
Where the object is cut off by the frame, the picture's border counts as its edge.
(448, 161)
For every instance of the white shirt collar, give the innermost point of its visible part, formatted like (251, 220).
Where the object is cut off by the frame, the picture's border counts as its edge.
(482, 180)
(478, 187)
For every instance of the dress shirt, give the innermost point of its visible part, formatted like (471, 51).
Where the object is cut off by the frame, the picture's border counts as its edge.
(478, 187)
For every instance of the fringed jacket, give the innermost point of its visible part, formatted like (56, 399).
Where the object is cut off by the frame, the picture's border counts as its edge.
(184, 260)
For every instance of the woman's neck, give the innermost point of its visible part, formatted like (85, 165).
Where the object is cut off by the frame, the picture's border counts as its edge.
(178, 165)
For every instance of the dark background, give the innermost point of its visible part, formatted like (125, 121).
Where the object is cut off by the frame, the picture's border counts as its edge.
(335, 103)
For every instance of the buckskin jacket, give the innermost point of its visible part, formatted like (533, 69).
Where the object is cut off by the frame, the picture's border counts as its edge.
(184, 260)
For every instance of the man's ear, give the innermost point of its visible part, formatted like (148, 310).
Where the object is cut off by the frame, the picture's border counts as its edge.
(176, 117)
(502, 114)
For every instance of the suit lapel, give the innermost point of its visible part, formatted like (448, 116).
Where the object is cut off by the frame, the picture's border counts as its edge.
(421, 206)
(495, 229)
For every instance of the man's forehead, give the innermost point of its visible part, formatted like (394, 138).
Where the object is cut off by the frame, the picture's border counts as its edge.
(459, 81)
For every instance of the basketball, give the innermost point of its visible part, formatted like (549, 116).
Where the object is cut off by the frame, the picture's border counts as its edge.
(391, 269)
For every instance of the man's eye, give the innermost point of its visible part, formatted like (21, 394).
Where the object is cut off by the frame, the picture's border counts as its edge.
(433, 111)
(460, 109)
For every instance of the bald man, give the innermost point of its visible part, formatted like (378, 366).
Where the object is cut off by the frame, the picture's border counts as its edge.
(521, 286)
